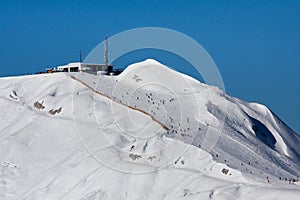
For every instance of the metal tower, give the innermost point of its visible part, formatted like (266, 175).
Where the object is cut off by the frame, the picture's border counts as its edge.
(106, 50)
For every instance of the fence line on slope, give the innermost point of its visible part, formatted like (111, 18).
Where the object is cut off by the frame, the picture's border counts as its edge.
(128, 106)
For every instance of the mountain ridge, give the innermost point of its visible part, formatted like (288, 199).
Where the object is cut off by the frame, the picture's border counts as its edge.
(95, 148)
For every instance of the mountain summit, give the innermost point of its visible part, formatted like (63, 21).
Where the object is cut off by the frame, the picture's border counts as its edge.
(149, 133)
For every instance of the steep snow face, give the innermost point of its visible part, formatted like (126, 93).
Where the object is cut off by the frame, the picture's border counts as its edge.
(245, 136)
(61, 140)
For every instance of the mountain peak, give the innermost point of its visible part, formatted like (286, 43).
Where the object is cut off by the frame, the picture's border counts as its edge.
(104, 134)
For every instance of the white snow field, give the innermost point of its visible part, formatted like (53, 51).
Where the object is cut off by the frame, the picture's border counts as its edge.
(149, 133)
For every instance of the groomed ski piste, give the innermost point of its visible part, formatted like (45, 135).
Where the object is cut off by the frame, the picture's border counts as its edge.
(149, 133)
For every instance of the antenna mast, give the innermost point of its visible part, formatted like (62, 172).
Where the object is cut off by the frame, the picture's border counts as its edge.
(106, 51)
(80, 57)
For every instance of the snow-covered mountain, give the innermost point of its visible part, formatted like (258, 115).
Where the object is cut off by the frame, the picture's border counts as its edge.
(149, 133)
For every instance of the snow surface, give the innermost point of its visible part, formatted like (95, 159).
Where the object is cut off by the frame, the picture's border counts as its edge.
(95, 147)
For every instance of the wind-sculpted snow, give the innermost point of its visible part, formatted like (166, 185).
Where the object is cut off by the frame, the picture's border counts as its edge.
(62, 140)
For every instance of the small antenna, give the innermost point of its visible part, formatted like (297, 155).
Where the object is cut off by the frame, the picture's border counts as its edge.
(106, 51)
(80, 57)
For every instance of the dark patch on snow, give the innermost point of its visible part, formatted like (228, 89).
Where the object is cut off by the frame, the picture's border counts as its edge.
(263, 133)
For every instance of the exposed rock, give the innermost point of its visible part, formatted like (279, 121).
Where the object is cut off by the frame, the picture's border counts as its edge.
(38, 105)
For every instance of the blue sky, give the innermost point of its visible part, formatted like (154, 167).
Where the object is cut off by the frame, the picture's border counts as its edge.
(255, 44)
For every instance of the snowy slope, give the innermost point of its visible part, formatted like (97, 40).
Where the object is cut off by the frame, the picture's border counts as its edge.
(61, 140)
(208, 118)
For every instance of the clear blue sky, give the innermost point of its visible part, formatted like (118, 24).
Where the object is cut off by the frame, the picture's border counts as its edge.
(255, 44)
